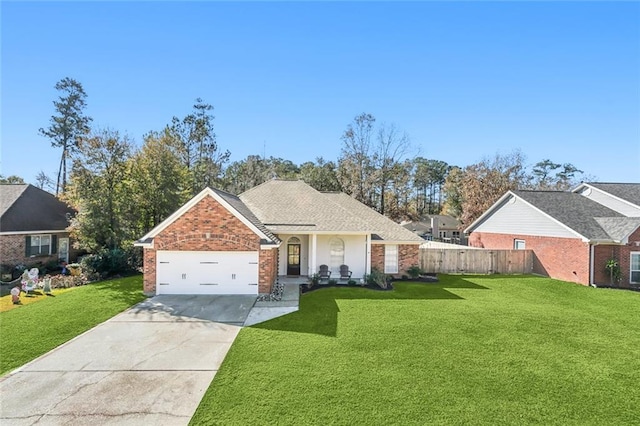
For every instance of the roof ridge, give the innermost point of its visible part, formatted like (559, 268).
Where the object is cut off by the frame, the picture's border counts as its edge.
(270, 180)
(222, 191)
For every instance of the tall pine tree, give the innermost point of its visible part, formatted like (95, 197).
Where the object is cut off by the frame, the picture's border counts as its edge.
(68, 125)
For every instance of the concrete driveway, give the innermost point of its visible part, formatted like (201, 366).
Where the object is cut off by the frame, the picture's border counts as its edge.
(148, 365)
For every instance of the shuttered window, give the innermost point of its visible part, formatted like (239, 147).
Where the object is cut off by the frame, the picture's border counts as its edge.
(40, 245)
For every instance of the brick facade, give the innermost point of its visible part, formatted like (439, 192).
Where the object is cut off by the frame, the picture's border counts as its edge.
(208, 226)
(621, 253)
(268, 269)
(12, 250)
(408, 256)
(377, 257)
(565, 259)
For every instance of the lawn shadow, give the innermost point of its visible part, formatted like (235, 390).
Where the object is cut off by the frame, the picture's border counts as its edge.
(319, 309)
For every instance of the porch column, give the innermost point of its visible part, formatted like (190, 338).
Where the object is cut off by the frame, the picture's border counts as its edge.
(367, 261)
(312, 255)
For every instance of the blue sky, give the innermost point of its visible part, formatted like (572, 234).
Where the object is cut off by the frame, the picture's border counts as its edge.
(557, 80)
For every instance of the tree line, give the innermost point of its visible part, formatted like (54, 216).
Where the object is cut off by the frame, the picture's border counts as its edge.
(121, 191)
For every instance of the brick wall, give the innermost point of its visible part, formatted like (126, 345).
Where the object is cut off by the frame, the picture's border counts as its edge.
(377, 257)
(208, 226)
(565, 259)
(621, 253)
(12, 250)
(268, 271)
(408, 255)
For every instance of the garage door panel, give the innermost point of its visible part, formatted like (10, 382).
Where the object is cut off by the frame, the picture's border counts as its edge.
(197, 272)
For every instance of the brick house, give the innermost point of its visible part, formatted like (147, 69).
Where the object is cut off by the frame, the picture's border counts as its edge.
(572, 234)
(219, 243)
(33, 226)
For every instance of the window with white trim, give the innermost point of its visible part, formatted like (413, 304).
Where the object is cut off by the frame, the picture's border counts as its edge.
(390, 259)
(40, 245)
(634, 268)
(519, 245)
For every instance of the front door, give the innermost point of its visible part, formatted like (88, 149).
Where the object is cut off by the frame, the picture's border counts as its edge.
(63, 249)
(293, 259)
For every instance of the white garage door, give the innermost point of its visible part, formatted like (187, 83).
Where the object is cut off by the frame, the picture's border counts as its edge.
(207, 272)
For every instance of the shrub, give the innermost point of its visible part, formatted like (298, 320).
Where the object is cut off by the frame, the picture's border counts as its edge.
(51, 266)
(376, 277)
(66, 281)
(333, 282)
(110, 262)
(135, 258)
(612, 266)
(414, 271)
(351, 282)
(315, 279)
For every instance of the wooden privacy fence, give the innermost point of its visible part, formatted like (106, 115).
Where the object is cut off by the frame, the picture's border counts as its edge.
(476, 261)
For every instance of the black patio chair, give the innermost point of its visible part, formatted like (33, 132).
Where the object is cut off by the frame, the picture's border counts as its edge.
(325, 273)
(345, 273)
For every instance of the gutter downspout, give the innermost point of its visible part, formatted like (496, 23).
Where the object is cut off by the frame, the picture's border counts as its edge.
(591, 264)
(367, 258)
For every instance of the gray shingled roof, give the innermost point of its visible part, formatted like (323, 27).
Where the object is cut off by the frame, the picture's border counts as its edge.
(418, 227)
(627, 191)
(8, 195)
(573, 210)
(294, 206)
(241, 208)
(27, 208)
(619, 227)
(382, 226)
(284, 205)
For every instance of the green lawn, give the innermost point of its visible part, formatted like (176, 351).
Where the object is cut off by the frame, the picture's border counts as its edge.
(468, 350)
(32, 330)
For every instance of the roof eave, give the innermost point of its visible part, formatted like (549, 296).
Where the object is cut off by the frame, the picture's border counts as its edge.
(37, 231)
(195, 200)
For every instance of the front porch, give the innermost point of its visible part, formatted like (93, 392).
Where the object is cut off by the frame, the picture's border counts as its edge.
(301, 255)
(304, 279)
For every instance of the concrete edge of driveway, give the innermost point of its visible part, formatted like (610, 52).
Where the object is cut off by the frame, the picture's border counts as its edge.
(152, 362)
(259, 312)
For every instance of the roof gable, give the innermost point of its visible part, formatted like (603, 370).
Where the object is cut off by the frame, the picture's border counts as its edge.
(629, 192)
(25, 208)
(230, 202)
(621, 197)
(571, 210)
(619, 228)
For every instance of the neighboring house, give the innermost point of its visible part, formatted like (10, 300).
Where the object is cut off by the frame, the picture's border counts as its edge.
(33, 226)
(218, 243)
(436, 228)
(572, 234)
